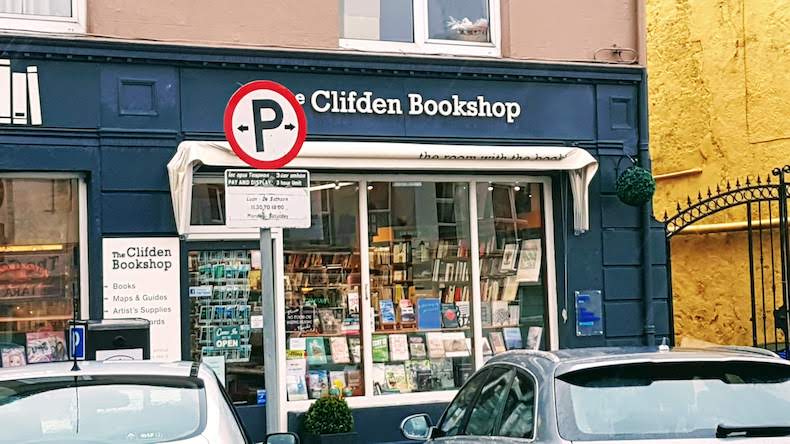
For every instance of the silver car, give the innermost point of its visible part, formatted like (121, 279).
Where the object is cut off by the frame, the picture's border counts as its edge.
(116, 401)
(634, 395)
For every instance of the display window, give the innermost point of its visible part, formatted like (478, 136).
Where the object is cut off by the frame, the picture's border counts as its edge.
(40, 261)
(225, 318)
(420, 285)
(402, 286)
(322, 297)
(512, 266)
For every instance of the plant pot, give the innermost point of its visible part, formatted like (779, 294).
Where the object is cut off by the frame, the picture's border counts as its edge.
(335, 438)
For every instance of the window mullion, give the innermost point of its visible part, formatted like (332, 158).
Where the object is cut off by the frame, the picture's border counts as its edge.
(420, 8)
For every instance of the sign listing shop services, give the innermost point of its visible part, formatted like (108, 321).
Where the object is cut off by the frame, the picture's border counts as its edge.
(142, 280)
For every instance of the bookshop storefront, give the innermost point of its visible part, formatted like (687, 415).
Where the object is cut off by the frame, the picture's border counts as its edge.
(414, 272)
(460, 208)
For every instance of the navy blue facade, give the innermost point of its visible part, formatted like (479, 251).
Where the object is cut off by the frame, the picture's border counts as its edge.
(116, 113)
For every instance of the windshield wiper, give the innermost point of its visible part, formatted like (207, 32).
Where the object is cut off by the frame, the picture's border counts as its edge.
(725, 431)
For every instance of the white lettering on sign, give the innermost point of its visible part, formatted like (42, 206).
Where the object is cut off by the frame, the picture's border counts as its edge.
(267, 198)
(353, 102)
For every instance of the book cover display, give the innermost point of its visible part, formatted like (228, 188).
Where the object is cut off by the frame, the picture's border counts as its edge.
(46, 347)
(12, 355)
(512, 338)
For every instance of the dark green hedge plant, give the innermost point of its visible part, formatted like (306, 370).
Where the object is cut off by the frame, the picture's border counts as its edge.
(329, 415)
(635, 186)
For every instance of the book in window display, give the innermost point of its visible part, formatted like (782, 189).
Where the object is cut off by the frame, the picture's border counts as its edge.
(339, 348)
(354, 381)
(429, 314)
(379, 348)
(296, 383)
(318, 382)
(331, 320)
(418, 374)
(12, 355)
(500, 313)
(46, 347)
(355, 347)
(337, 380)
(497, 342)
(399, 347)
(442, 371)
(417, 347)
(396, 378)
(316, 351)
(455, 345)
(435, 345)
(509, 258)
(387, 312)
(450, 316)
(529, 261)
(534, 337)
(512, 338)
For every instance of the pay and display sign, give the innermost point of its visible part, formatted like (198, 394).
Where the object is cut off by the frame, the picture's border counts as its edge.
(267, 198)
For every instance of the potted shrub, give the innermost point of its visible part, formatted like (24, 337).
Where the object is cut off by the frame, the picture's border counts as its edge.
(329, 421)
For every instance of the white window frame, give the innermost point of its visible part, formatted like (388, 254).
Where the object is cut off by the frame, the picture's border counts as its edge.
(82, 214)
(221, 232)
(76, 24)
(423, 45)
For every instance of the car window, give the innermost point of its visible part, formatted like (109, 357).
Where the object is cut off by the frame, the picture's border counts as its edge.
(102, 409)
(675, 400)
(518, 415)
(452, 421)
(489, 402)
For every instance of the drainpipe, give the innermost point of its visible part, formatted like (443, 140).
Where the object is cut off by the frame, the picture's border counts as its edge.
(647, 253)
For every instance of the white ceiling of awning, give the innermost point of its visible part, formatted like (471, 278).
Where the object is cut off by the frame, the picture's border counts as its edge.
(388, 157)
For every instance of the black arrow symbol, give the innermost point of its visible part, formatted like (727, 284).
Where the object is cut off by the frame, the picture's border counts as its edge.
(243, 128)
(290, 127)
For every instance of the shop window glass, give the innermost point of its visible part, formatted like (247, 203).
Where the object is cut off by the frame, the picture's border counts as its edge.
(226, 318)
(512, 266)
(385, 20)
(463, 20)
(39, 274)
(322, 297)
(54, 8)
(208, 203)
(420, 287)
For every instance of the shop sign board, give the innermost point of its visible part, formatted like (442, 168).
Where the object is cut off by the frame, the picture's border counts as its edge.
(142, 278)
(265, 124)
(267, 198)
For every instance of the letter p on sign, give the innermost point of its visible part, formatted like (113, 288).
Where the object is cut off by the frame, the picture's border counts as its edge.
(265, 124)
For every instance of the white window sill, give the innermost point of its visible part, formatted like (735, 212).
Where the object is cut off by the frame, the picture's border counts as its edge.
(432, 47)
(60, 25)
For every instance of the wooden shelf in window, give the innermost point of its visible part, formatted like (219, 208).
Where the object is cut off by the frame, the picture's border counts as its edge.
(416, 330)
(37, 318)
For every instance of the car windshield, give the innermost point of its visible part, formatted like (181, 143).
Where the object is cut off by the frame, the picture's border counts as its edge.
(671, 400)
(101, 409)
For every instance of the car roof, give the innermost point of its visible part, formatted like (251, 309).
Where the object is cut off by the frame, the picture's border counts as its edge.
(567, 360)
(95, 368)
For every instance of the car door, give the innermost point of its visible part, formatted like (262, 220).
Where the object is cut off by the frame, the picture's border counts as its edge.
(471, 416)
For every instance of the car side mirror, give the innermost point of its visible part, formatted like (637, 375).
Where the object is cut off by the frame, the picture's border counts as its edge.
(282, 438)
(416, 427)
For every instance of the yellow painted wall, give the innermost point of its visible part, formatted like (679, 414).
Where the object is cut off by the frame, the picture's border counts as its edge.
(719, 79)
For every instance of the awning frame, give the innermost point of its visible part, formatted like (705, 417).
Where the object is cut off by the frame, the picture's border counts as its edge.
(394, 156)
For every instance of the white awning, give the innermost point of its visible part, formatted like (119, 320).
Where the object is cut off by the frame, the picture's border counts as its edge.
(389, 157)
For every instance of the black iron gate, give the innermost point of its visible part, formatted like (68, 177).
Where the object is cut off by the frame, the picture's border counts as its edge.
(764, 201)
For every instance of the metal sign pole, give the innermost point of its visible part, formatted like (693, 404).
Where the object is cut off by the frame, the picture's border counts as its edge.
(271, 376)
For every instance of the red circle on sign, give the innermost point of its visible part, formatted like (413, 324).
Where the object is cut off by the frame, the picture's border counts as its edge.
(300, 119)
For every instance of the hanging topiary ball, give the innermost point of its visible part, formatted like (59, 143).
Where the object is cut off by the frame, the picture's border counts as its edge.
(635, 186)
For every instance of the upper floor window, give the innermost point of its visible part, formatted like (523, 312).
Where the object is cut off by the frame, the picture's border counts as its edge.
(457, 27)
(61, 16)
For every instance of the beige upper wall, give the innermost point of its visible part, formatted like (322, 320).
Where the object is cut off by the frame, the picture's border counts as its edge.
(570, 30)
(276, 23)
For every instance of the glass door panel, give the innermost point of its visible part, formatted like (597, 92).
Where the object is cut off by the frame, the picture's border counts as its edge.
(420, 285)
(512, 255)
(322, 297)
